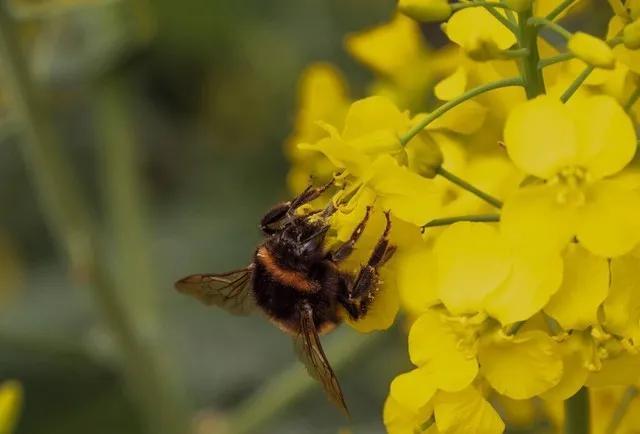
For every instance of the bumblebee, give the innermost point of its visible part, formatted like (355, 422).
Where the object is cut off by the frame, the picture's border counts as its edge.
(297, 284)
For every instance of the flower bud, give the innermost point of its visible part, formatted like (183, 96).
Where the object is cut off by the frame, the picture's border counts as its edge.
(592, 50)
(631, 35)
(519, 5)
(426, 10)
(425, 156)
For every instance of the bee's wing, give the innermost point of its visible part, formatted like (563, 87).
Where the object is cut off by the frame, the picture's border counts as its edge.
(230, 291)
(310, 352)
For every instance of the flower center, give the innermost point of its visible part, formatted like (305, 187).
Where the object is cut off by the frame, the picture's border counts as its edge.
(572, 182)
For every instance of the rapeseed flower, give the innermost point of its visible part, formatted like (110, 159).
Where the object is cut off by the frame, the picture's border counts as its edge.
(509, 170)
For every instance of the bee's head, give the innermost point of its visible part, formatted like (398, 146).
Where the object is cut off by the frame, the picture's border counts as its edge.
(301, 240)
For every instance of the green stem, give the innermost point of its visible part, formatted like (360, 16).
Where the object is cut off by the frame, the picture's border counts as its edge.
(470, 188)
(508, 82)
(68, 216)
(632, 99)
(277, 394)
(557, 28)
(459, 6)
(573, 87)
(576, 413)
(476, 218)
(516, 53)
(503, 20)
(559, 9)
(510, 13)
(562, 57)
(532, 75)
(621, 410)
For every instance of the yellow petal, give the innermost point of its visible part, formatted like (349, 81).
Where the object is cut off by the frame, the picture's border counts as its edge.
(631, 37)
(409, 196)
(377, 142)
(398, 419)
(622, 306)
(479, 33)
(340, 154)
(472, 262)
(534, 218)
(372, 114)
(630, 58)
(520, 366)
(413, 389)
(417, 279)
(609, 224)
(620, 370)
(452, 86)
(433, 345)
(387, 49)
(575, 351)
(606, 136)
(465, 118)
(541, 137)
(585, 285)
(535, 276)
(382, 312)
(466, 412)
(322, 95)
(591, 50)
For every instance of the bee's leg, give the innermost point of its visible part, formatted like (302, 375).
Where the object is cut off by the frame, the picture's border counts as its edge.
(274, 215)
(344, 250)
(284, 209)
(360, 295)
(310, 193)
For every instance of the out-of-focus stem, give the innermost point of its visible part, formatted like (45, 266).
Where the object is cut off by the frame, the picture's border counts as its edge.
(125, 211)
(635, 96)
(277, 394)
(576, 413)
(68, 216)
(621, 410)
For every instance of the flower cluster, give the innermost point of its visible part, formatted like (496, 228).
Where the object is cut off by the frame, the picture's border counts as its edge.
(507, 163)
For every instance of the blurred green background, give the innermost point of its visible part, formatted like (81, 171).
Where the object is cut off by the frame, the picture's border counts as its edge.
(140, 142)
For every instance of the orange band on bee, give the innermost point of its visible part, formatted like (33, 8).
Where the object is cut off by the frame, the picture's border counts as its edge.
(292, 278)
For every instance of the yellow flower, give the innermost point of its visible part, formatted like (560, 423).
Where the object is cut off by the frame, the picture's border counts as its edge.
(509, 283)
(10, 404)
(426, 10)
(406, 67)
(631, 35)
(576, 350)
(451, 351)
(322, 96)
(479, 33)
(465, 412)
(520, 366)
(369, 150)
(626, 17)
(574, 148)
(399, 419)
(585, 285)
(622, 306)
(592, 50)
